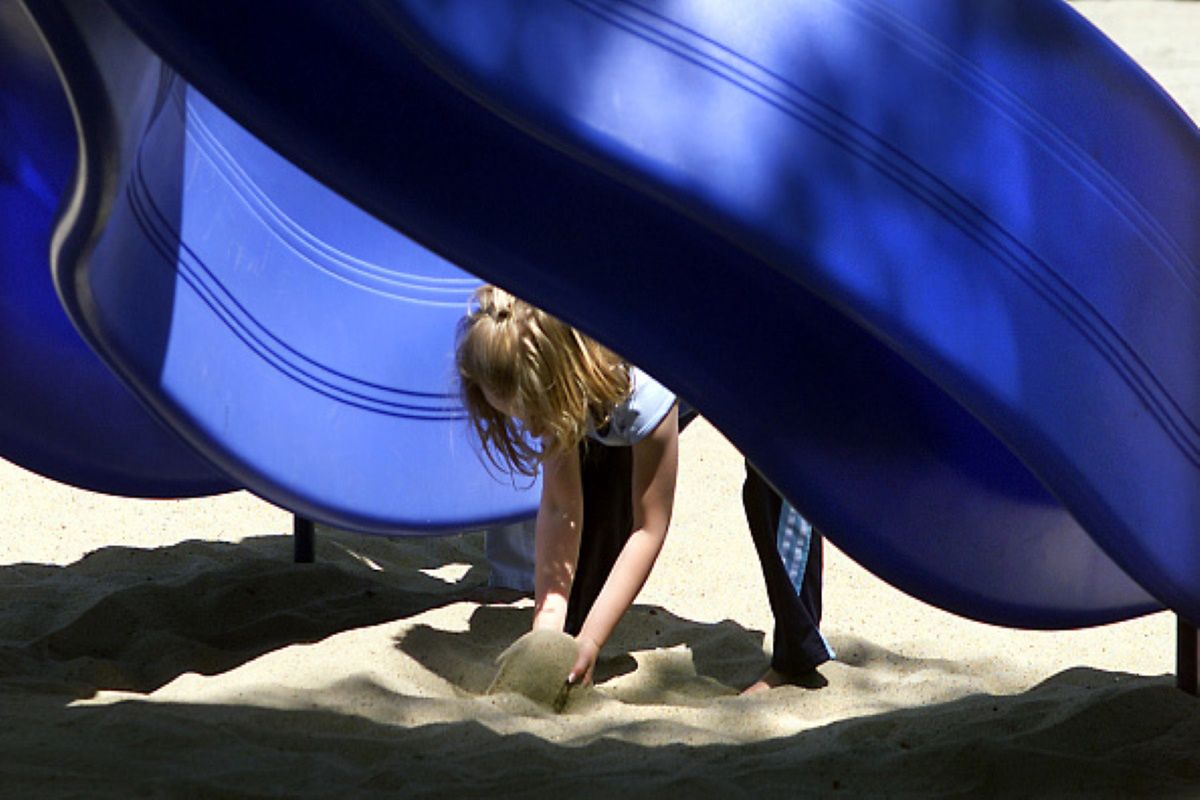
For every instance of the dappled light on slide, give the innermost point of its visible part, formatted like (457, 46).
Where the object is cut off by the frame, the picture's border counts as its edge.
(900, 253)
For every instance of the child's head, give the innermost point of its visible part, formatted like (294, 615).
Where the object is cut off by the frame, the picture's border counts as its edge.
(522, 371)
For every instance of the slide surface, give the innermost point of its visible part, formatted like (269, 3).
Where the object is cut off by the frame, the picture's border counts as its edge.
(955, 326)
(63, 414)
(302, 346)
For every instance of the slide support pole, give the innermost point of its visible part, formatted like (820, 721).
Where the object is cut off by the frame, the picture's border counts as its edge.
(304, 536)
(1187, 657)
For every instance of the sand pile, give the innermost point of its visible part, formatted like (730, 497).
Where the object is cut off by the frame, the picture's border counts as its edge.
(536, 666)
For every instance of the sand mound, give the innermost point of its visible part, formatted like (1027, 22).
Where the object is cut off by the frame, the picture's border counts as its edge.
(536, 666)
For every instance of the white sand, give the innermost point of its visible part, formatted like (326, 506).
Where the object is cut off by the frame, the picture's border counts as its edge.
(171, 648)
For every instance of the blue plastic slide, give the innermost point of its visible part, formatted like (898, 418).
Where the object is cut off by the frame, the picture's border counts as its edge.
(303, 346)
(931, 265)
(62, 412)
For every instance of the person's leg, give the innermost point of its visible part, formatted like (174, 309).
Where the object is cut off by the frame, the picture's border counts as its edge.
(607, 476)
(790, 555)
(509, 550)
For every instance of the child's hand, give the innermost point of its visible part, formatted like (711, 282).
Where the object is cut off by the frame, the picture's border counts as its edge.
(585, 662)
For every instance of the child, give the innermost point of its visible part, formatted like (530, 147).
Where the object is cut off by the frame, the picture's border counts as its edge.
(606, 503)
(535, 388)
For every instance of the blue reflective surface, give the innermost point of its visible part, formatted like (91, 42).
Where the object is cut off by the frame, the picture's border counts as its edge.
(62, 412)
(900, 253)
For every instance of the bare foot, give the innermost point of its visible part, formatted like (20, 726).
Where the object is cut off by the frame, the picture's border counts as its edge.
(772, 679)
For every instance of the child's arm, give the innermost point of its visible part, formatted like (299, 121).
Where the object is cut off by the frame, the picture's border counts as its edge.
(655, 463)
(556, 539)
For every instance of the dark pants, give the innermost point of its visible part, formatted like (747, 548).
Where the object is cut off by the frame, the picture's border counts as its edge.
(798, 644)
(607, 475)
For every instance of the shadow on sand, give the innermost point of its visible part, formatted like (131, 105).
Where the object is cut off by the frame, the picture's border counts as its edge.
(135, 619)
(132, 619)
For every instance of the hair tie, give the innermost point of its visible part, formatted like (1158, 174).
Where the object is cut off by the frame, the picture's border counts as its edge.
(502, 304)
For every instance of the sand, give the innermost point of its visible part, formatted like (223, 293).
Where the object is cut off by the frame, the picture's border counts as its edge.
(537, 666)
(171, 648)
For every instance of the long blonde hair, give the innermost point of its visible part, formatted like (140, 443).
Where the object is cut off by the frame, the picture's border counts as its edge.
(559, 381)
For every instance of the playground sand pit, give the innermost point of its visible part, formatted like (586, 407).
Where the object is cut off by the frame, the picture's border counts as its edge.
(172, 649)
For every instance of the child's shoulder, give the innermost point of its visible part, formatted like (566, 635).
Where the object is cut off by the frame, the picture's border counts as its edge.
(636, 417)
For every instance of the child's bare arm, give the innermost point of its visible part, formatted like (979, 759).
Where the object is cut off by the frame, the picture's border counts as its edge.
(556, 539)
(655, 463)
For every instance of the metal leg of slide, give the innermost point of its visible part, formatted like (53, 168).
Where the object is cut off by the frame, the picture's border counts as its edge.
(304, 539)
(1187, 657)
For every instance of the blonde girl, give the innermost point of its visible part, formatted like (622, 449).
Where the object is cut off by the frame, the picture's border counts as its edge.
(543, 396)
